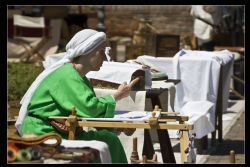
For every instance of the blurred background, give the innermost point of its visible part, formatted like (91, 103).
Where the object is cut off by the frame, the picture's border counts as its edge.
(132, 30)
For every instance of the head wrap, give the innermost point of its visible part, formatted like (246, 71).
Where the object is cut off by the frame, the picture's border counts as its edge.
(83, 43)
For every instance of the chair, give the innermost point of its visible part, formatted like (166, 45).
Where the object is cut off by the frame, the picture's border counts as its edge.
(167, 45)
(31, 33)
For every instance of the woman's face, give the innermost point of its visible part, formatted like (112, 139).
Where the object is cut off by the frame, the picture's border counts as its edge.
(93, 61)
(97, 57)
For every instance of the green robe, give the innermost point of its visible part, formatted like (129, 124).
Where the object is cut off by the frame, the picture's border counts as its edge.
(57, 94)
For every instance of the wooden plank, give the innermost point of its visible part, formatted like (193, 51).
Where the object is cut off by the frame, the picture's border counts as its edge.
(176, 113)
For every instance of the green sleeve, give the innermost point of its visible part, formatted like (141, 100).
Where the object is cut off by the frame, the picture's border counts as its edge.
(75, 91)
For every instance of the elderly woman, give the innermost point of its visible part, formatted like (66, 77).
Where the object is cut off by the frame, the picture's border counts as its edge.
(63, 85)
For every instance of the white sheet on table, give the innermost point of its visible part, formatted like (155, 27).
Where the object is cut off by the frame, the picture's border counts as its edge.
(98, 145)
(135, 101)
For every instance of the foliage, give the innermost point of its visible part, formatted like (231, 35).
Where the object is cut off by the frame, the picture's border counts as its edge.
(20, 77)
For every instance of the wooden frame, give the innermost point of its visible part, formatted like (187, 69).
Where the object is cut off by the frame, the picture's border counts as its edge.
(72, 121)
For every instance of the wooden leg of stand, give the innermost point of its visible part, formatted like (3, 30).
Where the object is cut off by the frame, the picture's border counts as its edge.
(166, 147)
(148, 148)
(183, 145)
(220, 128)
(144, 159)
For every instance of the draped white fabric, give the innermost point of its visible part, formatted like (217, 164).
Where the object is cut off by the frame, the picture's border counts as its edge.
(196, 94)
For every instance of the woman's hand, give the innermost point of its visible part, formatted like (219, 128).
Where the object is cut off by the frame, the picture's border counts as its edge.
(122, 91)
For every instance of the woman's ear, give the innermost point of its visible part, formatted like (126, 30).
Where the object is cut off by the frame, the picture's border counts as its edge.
(75, 59)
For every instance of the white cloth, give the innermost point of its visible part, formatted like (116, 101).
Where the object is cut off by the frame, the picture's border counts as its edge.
(98, 145)
(201, 114)
(135, 101)
(119, 73)
(83, 43)
(204, 67)
(199, 72)
(107, 53)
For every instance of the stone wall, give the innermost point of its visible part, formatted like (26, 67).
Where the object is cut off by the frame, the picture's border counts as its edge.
(123, 19)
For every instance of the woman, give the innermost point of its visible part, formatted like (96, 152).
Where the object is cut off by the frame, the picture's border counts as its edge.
(204, 26)
(63, 85)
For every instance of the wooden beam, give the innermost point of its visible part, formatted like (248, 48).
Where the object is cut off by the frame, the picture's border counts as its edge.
(133, 125)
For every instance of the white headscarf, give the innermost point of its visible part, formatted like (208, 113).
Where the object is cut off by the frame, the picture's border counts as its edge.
(83, 43)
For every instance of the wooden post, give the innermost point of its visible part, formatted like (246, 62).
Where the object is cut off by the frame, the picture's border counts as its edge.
(71, 123)
(219, 106)
(156, 108)
(153, 121)
(232, 157)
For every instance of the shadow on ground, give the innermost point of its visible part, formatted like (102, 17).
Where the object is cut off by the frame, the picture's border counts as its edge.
(222, 148)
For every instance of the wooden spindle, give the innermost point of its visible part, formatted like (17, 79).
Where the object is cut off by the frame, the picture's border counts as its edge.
(134, 155)
(232, 157)
(156, 108)
(144, 159)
